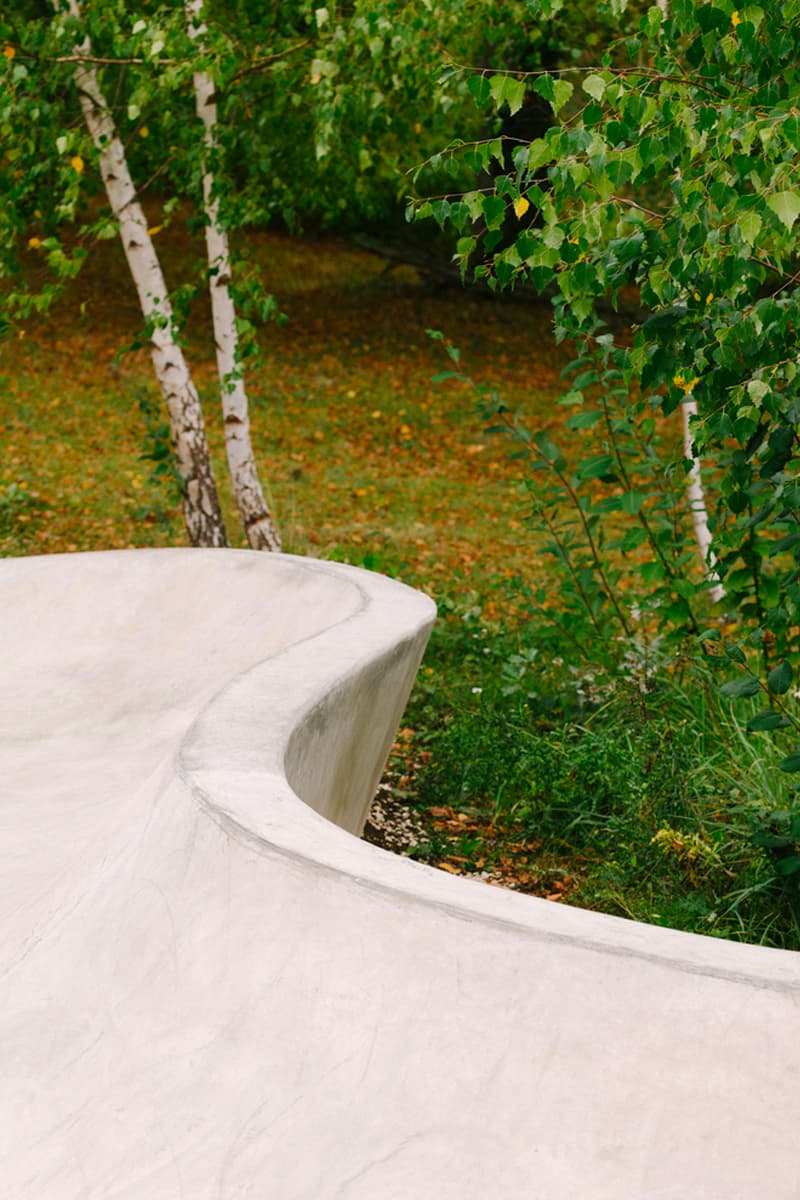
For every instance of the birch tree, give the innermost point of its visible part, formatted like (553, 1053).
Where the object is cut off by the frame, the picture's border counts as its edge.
(259, 527)
(201, 508)
(320, 104)
(321, 110)
(694, 486)
(672, 175)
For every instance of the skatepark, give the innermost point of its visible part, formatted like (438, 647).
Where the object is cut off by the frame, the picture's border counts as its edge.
(213, 989)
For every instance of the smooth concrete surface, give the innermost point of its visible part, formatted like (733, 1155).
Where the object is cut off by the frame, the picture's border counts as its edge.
(208, 990)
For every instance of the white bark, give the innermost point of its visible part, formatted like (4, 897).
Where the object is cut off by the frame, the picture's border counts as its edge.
(696, 495)
(200, 502)
(261, 531)
(697, 505)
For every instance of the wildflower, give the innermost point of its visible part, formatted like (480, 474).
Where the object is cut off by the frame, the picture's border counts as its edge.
(9, 52)
(77, 164)
(476, 691)
(34, 243)
(735, 18)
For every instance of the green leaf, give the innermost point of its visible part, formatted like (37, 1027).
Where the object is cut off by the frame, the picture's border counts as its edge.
(791, 763)
(561, 93)
(753, 14)
(506, 89)
(791, 131)
(772, 841)
(767, 720)
(544, 85)
(548, 449)
(750, 226)
(789, 865)
(709, 635)
(494, 209)
(786, 206)
(583, 420)
(757, 389)
(735, 688)
(779, 679)
(480, 87)
(598, 465)
(595, 86)
(631, 502)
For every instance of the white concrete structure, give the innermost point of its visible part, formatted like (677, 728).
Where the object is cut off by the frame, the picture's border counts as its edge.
(209, 991)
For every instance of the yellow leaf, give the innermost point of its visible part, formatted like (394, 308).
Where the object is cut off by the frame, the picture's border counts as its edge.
(154, 229)
(77, 164)
(521, 206)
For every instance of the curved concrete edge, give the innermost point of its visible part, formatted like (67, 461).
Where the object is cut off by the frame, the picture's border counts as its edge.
(250, 771)
(294, 727)
(323, 712)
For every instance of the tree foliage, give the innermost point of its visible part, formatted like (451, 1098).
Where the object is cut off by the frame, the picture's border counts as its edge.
(672, 175)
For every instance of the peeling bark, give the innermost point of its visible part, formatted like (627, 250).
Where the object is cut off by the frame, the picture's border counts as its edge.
(694, 491)
(259, 526)
(200, 502)
(697, 506)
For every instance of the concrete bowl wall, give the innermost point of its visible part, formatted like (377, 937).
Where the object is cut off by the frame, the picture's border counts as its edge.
(211, 988)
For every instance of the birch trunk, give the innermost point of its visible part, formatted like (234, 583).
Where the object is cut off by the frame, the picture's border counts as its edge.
(260, 528)
(695, 493)
(200, 502)
(697, 505)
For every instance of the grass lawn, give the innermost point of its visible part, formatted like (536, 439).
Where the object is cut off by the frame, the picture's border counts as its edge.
(510, 766)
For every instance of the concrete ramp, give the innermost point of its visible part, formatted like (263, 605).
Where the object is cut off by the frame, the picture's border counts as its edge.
(210, 989)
